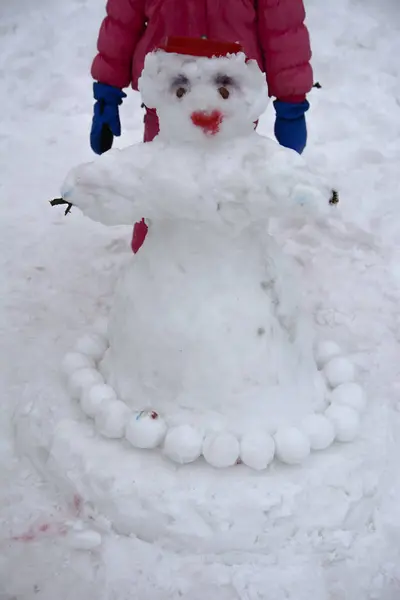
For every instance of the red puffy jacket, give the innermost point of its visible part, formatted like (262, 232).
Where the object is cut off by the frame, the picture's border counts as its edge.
(271, 31)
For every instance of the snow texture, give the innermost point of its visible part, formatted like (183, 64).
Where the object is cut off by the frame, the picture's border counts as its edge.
(183, 444)
(221, 449)
(257, 450)
(93, 346)
(339, 370)
(332, 529)
(93, 398)
(82, 380)
(325, 351)
(74, 361)
(349, 394)
(346, 422)
(292, 445)
(319, 430)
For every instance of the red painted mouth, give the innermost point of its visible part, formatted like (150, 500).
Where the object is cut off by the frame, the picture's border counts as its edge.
(209, 122)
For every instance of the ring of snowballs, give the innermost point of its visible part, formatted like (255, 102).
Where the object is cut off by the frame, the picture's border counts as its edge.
(184, 444)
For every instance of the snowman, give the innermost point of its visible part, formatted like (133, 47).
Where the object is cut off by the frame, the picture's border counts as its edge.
(208, 350)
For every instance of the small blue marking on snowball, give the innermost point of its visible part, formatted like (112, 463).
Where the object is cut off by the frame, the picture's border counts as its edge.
(302, 200)
(66, 194)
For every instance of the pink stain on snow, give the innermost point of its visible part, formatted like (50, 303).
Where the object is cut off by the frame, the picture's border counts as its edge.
(34, 533)
(25, 537)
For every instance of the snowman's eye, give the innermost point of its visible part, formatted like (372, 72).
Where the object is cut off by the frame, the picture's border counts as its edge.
(180, 92)
(180, 86)
(224, 84)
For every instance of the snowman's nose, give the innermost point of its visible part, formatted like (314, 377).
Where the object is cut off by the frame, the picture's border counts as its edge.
(209, 121)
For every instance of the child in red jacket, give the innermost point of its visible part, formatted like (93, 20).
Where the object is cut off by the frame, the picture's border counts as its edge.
(270, 31)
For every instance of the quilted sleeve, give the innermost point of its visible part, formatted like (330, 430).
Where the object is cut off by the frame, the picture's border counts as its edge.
(119, 33)
(285, 44)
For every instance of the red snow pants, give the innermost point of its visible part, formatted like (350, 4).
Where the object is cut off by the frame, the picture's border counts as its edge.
(151, 129)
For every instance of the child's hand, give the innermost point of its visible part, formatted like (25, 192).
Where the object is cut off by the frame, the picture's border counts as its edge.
(106, 123)
(290, 124)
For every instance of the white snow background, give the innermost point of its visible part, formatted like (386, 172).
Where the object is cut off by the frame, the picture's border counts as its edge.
(58, 274)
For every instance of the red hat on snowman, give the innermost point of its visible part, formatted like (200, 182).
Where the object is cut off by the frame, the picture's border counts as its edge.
(204, 85)
(202, 47)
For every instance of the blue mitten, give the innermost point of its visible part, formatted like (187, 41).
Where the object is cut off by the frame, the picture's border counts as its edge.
(106, 123)
(290, 124)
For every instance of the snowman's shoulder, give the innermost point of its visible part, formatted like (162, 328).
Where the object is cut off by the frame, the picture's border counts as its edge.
(116, 163)
(269, 163)
(133, 164)
(137, 155)
(270, 150)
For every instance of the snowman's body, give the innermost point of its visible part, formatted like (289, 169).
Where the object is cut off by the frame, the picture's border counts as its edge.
(207, 326)
(206, 334)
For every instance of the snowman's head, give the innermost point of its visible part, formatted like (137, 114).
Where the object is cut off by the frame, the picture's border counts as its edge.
(203, 90)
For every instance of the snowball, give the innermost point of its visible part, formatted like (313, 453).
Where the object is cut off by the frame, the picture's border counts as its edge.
(84, 540)
(292, 445)
(339, 370)
(183, 444)
(146, 429)
(112, 418)
(74, 361)
(319, 430)
(82, 380)
(325, 351)
(93, 345)
(345, 421)
(92, 398)
(101, 327)
(349, 394)
(221, 449)
(257, 450)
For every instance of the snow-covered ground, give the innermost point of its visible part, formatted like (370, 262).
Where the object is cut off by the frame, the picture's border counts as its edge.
(58, 273)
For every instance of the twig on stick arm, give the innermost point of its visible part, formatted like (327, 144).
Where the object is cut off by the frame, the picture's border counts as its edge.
(334, 199)
(59, 201)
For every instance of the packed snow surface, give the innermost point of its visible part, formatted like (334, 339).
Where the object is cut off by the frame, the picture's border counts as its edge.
(333, 524)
